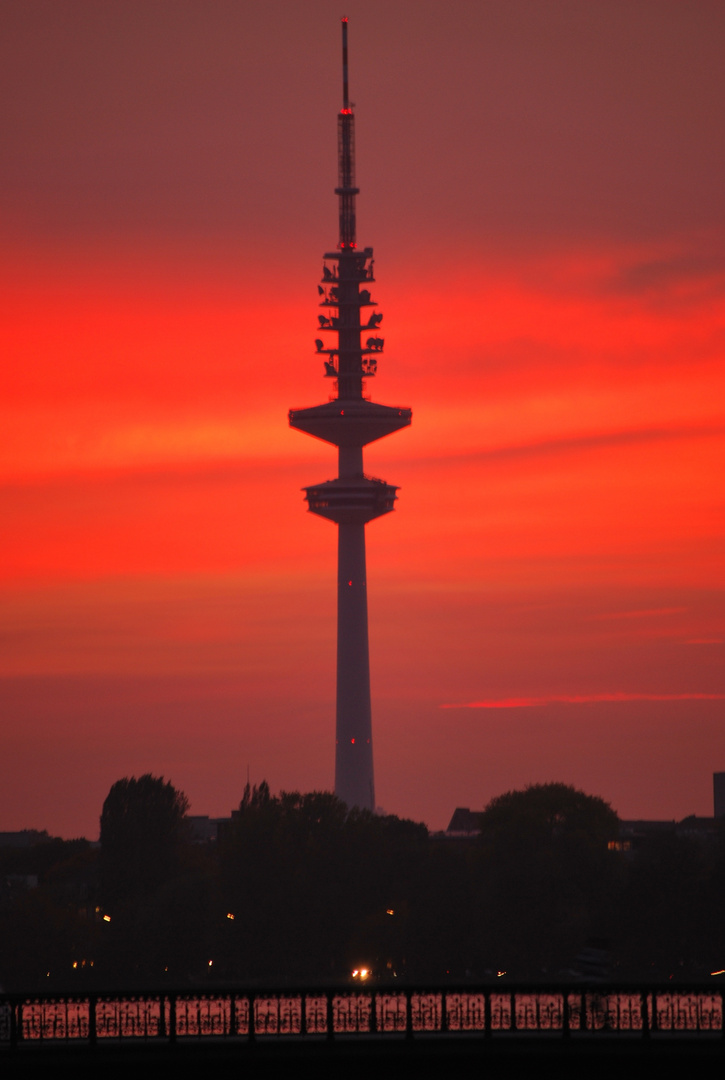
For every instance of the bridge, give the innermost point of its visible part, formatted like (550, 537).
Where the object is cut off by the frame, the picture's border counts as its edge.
(356, 1015)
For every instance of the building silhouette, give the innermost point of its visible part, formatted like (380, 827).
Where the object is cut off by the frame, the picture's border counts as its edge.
(349, 347)
(718, 793)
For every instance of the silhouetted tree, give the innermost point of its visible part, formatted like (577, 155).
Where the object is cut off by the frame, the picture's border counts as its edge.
(46, 928)
(143, 827)
(546, 813)
(547, 878)
(668, 920)
(299, 888)
(156, 886)
(309, 884)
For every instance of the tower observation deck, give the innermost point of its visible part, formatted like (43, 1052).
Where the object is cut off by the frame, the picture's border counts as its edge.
(349, 347)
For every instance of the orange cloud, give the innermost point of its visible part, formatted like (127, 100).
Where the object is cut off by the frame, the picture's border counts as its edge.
(579, 699)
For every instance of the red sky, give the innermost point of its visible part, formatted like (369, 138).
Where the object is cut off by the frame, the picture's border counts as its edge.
(543, 187)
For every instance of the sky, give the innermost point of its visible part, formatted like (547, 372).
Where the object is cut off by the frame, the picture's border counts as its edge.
(542, 184)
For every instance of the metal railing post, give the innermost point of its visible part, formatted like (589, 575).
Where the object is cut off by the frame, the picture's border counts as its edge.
(251, 1027)
(646, 1018)
(330, 1016)
(92, 1033)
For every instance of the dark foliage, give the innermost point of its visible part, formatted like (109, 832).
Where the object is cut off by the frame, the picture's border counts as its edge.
(46, 923)
(547, 881)
(300, 890)
(143, 829)
(154, 887)
(310, 885)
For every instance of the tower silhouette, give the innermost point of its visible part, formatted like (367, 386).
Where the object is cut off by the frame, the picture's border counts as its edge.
(349, 420)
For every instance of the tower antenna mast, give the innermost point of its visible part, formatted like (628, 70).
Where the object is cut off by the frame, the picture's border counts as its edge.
(349, 420)
(345, 97)
(346, 189)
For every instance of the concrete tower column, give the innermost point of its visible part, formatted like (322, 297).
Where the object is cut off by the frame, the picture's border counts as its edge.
(354, 780)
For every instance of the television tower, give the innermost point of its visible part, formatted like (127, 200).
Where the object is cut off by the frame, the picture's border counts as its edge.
(349, 420)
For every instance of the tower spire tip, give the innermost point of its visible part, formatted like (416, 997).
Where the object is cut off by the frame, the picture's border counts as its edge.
(345, 96)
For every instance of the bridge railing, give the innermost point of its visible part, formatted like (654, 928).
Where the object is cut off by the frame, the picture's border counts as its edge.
(343, 1013)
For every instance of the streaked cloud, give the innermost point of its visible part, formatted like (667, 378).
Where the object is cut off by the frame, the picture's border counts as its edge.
(578, 699)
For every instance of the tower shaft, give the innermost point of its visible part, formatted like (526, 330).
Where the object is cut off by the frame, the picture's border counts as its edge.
(354, 776)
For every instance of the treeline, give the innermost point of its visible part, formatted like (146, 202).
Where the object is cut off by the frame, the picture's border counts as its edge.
(298, 889)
